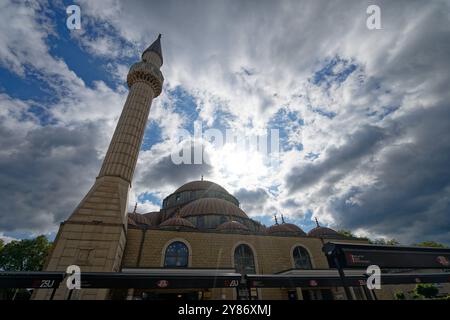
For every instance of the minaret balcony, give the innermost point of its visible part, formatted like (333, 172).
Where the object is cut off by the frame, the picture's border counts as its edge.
(146, 72)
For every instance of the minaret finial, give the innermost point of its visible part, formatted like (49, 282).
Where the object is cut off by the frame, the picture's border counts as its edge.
(155, 47)
(317, 222)
(276, 220)
(201, 177)
(135, 207)
(282, 219)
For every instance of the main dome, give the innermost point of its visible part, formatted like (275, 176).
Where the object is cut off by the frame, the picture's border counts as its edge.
(195, 190)
(201, 185)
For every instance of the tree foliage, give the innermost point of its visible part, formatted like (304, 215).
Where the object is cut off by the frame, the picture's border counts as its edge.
(24, 255)
(431, 244)
(346, 233)
(399, 295)
(391, 242)
(426, 290)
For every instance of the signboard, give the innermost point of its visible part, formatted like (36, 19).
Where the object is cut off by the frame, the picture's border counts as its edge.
(395, 259)
(362, 256)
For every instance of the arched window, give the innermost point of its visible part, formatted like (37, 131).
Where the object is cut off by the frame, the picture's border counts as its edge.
(301, 258)
(177, 255)
(244, 261)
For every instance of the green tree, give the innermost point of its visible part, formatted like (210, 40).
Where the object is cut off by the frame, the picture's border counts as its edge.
(431, 244)
(426, 290)
(24, 255)
(391, 242)
(399, 295)
(346, 233)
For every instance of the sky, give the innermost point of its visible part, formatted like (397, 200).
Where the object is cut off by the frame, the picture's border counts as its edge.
(363, 115)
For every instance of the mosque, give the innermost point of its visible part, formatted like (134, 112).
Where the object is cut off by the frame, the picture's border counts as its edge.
(200, 228)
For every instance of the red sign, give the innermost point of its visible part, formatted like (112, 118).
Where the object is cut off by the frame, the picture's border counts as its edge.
(443, 261)
(313, 283)
(162, 283)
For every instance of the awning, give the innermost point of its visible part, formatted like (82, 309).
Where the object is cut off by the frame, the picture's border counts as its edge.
(162, 279)
(306, 278)
(209, 278)
(44, 280)
(330, 278)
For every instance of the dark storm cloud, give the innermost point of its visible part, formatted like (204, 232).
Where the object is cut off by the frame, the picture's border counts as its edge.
(404, 157)
(339, 160)
(43, 178)
(164, 172)
(252, 201)
(410, 197)
(412, 192)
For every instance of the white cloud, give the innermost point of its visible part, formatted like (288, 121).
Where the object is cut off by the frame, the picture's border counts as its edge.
(6, 239)
(251, 59)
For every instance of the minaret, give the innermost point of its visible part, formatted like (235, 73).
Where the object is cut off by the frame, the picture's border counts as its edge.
(145, 83)
(94, 236)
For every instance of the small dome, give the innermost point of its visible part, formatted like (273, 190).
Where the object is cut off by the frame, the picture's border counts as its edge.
(154, 217)
(131, 221)
(285, 229)
(177, 222)
(138, 219)
(323, 232)
(294, 228)
(232, 226)
(211, 206)
(200, 185)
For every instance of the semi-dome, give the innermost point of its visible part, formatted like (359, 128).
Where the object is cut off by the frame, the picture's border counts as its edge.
(323, 232)
(211, 206)
(285, 229)
(232, 226)
(177, 222)
(201, 185)
(131, 221)
(138, 219)
(154, 217)
(194, 190)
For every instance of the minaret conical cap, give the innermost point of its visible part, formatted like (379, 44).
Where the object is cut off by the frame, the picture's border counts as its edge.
(155, 47)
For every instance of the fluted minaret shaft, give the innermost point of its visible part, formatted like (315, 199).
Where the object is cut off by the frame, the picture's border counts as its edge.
(145, 82)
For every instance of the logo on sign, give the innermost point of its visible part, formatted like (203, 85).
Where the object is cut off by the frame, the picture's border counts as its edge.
(162, 283)
(234, 283)
(374, 279)
(47, 284)
(443, 261)
(357, 258)
(74, 279)
(313, 283)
